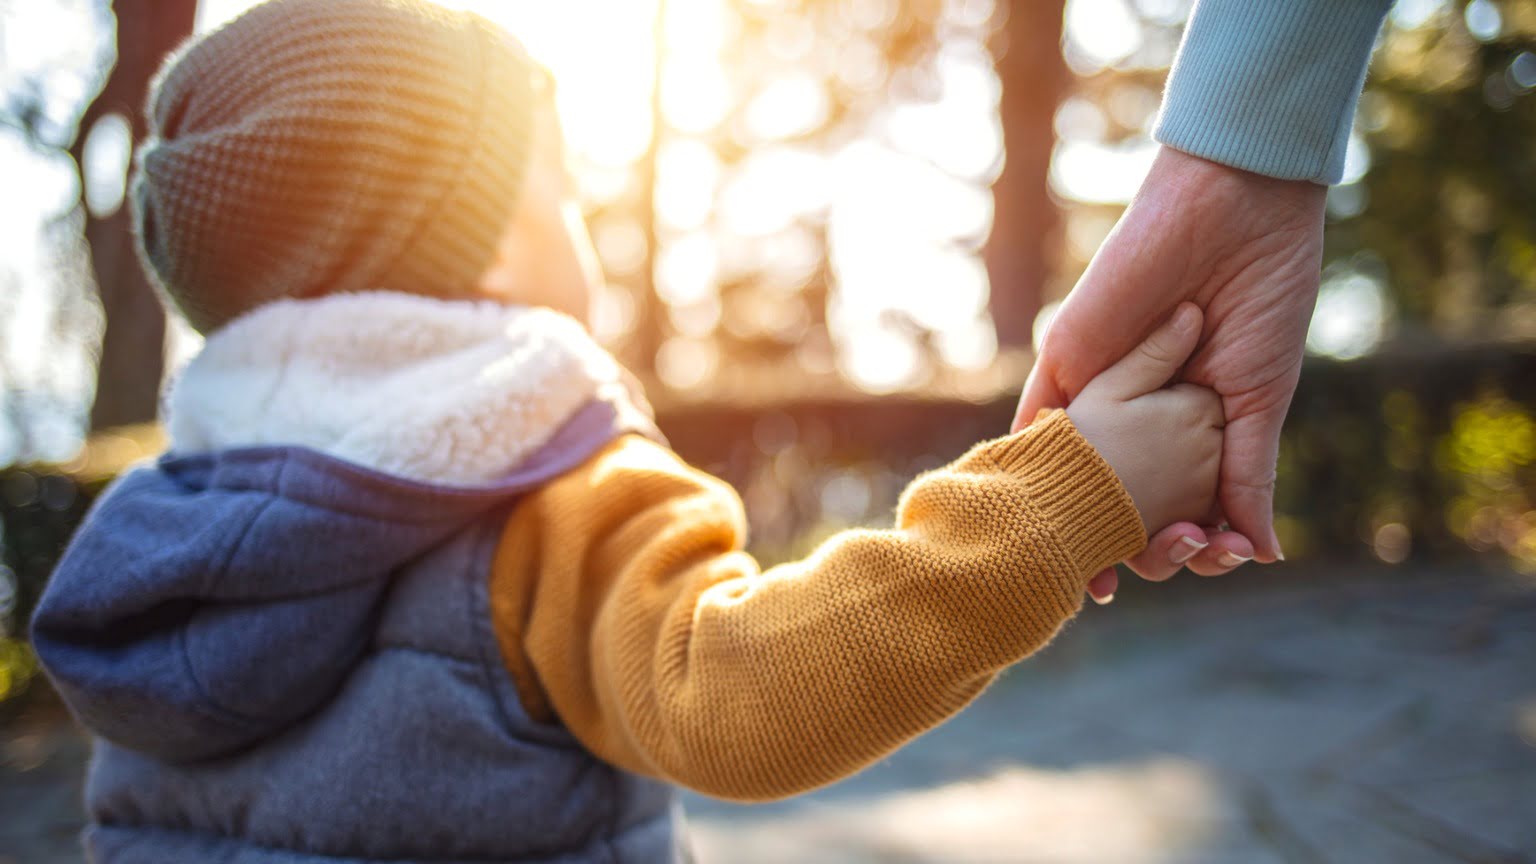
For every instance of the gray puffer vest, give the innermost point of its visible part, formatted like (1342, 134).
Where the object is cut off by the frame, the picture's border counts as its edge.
(289, 658)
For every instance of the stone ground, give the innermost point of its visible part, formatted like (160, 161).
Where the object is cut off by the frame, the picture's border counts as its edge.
(1277, 716)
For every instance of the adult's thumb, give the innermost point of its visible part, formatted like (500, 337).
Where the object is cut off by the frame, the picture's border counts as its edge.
(1040, 391)
(1157, 359)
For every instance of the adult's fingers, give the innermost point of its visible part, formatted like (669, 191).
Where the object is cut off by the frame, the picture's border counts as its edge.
(1205, 551)
(1156, 360)
(1168, 551)
(1249, 452)
(1040, 391)
(1228, 551)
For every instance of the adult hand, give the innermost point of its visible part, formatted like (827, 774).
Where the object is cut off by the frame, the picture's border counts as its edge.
(1248, 250)
(1207, 551)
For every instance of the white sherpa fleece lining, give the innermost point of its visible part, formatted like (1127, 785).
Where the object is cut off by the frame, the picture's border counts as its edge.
(435, 390)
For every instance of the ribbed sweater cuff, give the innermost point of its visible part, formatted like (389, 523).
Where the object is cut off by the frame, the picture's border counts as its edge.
(1270, 86)
(1083, 503)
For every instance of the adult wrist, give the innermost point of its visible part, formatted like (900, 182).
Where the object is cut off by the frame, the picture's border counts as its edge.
(1221, 209)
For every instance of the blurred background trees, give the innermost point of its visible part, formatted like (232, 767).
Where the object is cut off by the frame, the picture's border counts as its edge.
(73, 96)
(814, 167)
(805, 204)
(131, 360)
(779, 184)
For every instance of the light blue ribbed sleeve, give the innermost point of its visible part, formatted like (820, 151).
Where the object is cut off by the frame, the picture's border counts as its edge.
(1270, 86)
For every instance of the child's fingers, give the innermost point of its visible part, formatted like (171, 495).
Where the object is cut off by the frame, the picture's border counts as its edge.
(1228, 551)
(1156, 360)
(1102, 587)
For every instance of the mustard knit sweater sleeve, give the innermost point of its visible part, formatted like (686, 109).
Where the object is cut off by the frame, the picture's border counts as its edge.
(626, 608)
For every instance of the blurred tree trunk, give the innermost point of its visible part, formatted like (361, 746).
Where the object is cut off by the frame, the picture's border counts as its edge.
(640, 351)
(133, 346)
(1021, 252)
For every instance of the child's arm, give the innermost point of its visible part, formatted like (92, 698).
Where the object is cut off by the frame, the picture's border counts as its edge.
(627, 609)
(661, 645)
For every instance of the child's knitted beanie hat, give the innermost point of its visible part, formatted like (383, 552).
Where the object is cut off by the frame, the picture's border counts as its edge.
(312, 147)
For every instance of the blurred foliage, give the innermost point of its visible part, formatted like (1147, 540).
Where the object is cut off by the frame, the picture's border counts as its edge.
(1412, 455)
(40, 507)
(18, 666)
(1445, 216)
(1491, 451)
(725, 265)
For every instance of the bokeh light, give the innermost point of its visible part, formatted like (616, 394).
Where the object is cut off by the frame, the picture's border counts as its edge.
(754, 184)
(1351, 316)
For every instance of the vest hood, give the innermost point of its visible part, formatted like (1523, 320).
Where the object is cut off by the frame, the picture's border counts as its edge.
(216, 597)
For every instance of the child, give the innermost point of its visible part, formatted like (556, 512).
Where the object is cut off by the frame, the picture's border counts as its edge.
(418, 580)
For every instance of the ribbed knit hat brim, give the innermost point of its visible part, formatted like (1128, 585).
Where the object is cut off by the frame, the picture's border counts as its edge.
(311, 147)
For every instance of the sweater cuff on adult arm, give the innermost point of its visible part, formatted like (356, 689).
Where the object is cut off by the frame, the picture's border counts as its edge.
(1270, 86)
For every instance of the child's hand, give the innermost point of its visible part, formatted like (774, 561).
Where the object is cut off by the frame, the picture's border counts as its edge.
(1164, 444)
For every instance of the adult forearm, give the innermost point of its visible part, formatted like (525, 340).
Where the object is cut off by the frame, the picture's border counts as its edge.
(1270, 86)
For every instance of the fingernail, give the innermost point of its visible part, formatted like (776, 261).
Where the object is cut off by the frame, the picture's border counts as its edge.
(1103, 601)
(1191, 548)
(1230, 559)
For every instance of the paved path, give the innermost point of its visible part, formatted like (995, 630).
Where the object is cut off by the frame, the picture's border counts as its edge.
(1318, 718)
(1289, 718)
